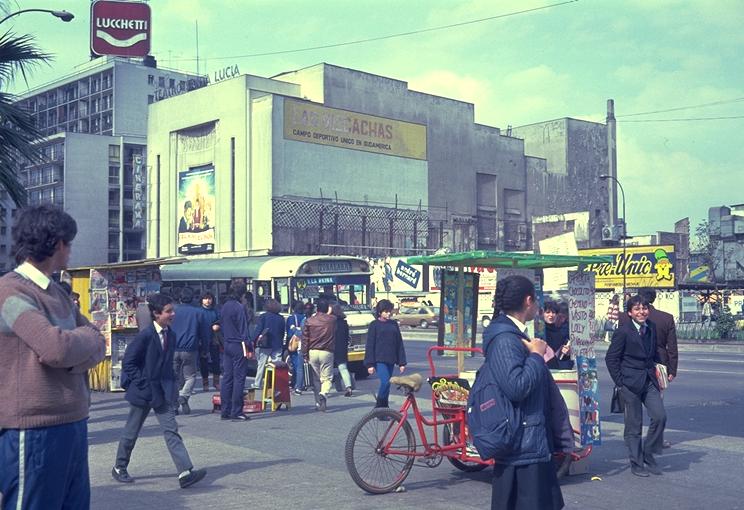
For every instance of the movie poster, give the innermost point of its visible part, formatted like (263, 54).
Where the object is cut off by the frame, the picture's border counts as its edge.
(196, 210)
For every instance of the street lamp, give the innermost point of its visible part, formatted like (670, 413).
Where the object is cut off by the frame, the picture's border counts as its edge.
(63, 15)
(625, 226)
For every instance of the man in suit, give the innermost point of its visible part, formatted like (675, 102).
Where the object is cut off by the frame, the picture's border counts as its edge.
(666, 337)
(148, 377)
(631, 361)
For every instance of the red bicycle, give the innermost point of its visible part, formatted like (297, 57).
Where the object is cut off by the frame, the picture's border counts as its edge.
(382, 447)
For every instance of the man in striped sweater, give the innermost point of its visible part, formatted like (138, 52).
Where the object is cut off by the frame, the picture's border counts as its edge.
(48, 347)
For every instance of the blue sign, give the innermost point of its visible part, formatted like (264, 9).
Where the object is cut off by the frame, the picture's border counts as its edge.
(407, 274)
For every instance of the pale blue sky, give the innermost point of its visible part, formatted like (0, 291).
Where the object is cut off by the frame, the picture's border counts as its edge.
(564, 61)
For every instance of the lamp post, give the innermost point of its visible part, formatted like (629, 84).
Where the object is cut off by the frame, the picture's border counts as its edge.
(63, 15)
(625, 233)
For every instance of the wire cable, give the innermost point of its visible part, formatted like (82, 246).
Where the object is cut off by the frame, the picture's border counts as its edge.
(724, 101)
(381, 38)
(689, 119)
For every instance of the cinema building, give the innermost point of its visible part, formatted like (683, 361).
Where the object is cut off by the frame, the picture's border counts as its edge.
(333, 160)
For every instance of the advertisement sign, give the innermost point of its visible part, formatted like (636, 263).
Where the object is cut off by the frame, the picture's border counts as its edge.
(581, 320)
(643, 266)
(313, 123)
(120, 28)
(447, 334)
(196, 205)
(407, 274)
(138, 193)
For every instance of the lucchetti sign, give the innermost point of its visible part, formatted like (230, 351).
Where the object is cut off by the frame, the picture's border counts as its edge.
(120, 28)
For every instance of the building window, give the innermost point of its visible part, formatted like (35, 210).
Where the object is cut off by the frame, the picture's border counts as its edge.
(113, 257)
(161, 81)
(172, 83)
(113, 242)
(114, 197)
(114, 153)
(3, 231)
(114, 175)
(150, 79)
(3, 249)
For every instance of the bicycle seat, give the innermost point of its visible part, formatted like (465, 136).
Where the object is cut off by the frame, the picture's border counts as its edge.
(412, 382)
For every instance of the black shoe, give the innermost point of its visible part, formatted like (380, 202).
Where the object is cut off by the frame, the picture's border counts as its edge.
(653, 468)
(348, 392)
(240, 417)
(638, 470)
(321, 403)
(121, 475)
(224, 417)
(185, 409)
(194, 476)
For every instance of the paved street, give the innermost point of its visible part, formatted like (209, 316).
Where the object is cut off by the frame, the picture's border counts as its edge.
(295, 459)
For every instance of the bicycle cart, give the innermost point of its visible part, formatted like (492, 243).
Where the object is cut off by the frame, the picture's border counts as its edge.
(383, 446)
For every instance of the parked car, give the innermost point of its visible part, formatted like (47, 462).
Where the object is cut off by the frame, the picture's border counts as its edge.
(421, 316)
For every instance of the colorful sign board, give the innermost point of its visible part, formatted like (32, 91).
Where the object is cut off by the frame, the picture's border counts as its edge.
(407, 274)
(447, 335)
(310, 122)
(196, 206)
(139, 204)
(120, 28)
(643, 266)
(581, 320)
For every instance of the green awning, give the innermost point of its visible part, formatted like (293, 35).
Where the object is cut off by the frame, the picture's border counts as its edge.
(483, 258)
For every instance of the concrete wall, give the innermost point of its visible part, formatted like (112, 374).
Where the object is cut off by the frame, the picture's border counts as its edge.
(86, 195)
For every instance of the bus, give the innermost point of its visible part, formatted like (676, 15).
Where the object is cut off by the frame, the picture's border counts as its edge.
(289, 280)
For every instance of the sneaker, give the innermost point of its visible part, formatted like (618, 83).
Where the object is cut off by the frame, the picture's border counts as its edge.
(240, 417)
(297, 392)
(348, 392)
(322, 403)
(121, 475)
(185, 409)
(191, 478)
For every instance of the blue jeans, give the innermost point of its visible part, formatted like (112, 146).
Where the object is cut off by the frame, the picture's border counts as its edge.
(298, 370)
(384, 371)
(53, 472)
(235, 368)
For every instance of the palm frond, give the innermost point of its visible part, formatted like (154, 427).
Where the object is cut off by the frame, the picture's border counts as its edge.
(19, 54)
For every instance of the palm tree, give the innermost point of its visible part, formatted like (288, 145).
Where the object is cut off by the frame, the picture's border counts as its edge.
(18, 55)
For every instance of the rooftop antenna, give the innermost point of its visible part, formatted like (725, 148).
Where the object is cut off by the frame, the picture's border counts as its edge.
(196, 23)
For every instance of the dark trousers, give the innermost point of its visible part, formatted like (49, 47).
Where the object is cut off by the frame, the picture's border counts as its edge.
(235, 369)
(211, 364)
(51, 473)
(166, 416)
(640, 451)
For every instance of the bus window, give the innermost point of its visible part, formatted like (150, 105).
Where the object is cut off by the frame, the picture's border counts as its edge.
(281, 293)
(261, 292)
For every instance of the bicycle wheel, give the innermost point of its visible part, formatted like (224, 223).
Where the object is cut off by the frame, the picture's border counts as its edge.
(372, 469)
(448, 438)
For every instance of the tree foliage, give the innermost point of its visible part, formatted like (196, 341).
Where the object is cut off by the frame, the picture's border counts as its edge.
(19, 55)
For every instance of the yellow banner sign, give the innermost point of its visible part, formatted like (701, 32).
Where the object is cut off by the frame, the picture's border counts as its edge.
(643, 266)
(310, 122)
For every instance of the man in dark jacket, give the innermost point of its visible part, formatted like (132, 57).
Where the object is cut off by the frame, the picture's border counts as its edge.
(666, 337)
(147, 376)
(631, 361)
(189, 327)
(318, 343)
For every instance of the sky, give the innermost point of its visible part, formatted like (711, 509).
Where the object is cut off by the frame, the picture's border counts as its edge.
(561, 59)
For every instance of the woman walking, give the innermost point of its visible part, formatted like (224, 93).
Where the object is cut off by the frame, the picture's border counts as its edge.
(341, 350)
(294, 330)
(384, 349)
(525, 479)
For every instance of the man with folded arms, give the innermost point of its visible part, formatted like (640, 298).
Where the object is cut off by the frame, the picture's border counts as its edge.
(48, 347)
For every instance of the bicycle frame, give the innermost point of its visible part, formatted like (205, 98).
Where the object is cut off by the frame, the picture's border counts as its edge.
(457, 448)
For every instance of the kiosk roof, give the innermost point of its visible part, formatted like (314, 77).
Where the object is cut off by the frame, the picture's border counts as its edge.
(507, 259)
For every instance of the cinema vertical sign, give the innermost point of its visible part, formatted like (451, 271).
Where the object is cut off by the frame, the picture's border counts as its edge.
(120, 28)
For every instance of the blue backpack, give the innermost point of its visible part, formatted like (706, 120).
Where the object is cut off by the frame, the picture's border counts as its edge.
(495, 423)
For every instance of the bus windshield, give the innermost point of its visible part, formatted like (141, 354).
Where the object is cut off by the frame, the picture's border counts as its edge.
(352, 296)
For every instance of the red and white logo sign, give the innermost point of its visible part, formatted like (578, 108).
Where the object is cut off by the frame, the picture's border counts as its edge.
(120, 28)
